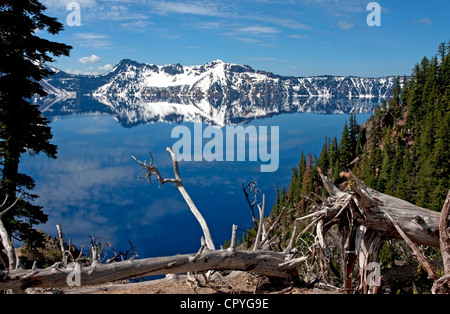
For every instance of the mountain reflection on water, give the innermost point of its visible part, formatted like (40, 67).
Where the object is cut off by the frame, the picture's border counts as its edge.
(133, 111)
(93, 188)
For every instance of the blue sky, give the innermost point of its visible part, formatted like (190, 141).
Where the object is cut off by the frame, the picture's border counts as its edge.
(286, 37)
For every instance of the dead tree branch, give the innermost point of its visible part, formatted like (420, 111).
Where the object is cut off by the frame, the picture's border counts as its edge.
(251, 188)
(442, 285)
(153, 170)
(7, 242)
(272, 227)
(273, 264)
(368, 218)
(444, 235)
(420, 258)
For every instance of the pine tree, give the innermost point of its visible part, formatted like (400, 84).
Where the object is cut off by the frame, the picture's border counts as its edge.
(359, 143)
(345, 148)
(353, 135)
(411, 155)
(301, 167)
(324, 162)
(334, 158)
(395, 102)
(22, 126)
(307, 181)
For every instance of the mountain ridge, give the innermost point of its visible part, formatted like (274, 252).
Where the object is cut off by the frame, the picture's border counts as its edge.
(217, 92)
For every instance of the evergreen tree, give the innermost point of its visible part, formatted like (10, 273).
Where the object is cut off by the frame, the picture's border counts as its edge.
(301, 167)
(404, 147)
(353, 135)
(395, 102)
(345, 149)
(410, 153)
(334, 158)
(324, 162)
(307, 178)
(22, 127)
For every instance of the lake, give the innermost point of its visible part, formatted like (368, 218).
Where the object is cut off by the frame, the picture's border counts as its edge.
(93, 188)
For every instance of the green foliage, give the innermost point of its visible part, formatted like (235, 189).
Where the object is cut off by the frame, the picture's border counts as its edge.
(403, 150)
(23, 129)
(409, 151)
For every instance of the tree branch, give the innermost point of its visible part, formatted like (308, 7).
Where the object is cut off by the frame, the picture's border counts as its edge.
(444, 235)
(273, 264)
(151, 169)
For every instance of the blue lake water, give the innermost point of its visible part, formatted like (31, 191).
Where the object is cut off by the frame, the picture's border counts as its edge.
(94, 187)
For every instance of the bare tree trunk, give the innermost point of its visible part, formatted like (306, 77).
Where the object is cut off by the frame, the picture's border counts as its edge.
(373, 208)
(444, 235)
(442, 285)
(151, 169)
(5, 238)
(261, 225)
(370, 218)
(274, 264)
(7, 245)
(420, 258)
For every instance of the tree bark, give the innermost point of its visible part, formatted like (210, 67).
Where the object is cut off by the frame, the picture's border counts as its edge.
(7, 245)
(274, 264)
(444, 235)
(5, 237)
(153, 170)
(442, 285)
(374, 208)
(370, 218)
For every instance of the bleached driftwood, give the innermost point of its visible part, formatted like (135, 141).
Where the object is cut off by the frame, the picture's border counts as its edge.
(368, 218)
(442, 285)
(153, 170)
(4, 235)
(274, 264)
(269, 263)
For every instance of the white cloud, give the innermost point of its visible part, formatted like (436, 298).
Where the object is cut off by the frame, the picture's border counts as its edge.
(62, 4)
(288, 23)
(425, 21)
(258, 29)
(91, 59)
(344, 25)
(136, 26)
(71, 71)
(299, 36)
(246, 40)
(106, 67)
(195, 8)
(92, 40)
(113, 12)
(337, 7)
(90, 36)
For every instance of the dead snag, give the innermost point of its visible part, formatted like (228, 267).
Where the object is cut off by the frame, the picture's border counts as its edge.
(368, 218)
(153, 170)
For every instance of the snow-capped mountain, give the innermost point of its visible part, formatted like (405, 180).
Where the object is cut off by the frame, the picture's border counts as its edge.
(217, 93)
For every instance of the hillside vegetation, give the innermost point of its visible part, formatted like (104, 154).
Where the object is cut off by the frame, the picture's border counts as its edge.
(402, 151)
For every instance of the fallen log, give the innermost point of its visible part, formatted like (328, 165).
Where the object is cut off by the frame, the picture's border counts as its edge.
(421, 225)
(370, 218)
(273, 264)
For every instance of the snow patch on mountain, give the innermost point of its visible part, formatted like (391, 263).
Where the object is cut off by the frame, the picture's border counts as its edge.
(217, 92)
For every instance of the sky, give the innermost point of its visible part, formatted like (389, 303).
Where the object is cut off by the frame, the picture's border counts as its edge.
(287, 37)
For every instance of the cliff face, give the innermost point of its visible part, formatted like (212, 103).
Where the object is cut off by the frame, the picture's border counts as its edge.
(217, 92)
